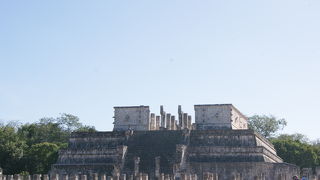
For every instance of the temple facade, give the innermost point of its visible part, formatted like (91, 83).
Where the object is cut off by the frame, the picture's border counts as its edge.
(218, 144)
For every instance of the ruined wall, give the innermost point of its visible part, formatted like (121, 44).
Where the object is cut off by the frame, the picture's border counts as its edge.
(239, 121)
(132, 117)
(213, 116)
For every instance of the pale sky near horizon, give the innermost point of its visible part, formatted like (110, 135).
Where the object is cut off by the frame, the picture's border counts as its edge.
(84, 57)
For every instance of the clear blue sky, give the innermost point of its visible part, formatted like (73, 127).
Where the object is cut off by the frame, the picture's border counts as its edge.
(84, 57)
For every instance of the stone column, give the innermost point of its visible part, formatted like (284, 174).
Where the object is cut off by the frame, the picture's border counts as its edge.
(103, 177)
(318, 172)
(116, 177)
(163, 117)
(157, 122)
(180, 117)
(185, 121)
(136, 165)
(9, 177)
(36, 177)
(173, 123)
(194, 177)
(162, 176)
(167, 177)
(189, 122)
(157, 167)
(123, 177)
(64, 177)
(83, 177)
(152, 121)
(45, 177)
(207, 176)
(74, 177)
(17, 177)
(183, 176)
(131, 177)
(1, 176)
(54, 177)
(109, 178)
(168, 121)
(95, 176)
(215, 176)
(145, 176)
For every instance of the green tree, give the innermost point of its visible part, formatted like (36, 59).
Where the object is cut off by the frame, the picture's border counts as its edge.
(11, 149)
(296, 152)
(267, 126)
(39, 157)
(53, 130)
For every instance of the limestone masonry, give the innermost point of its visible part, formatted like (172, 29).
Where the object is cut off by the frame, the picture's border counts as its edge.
(218, 145)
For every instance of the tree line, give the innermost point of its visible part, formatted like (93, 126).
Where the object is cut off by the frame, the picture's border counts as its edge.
(292, 148)
(32, 148)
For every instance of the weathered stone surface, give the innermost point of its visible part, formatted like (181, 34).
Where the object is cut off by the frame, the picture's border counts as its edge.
(132, 117)
(194, 151)
(219, 116)
(218, 146)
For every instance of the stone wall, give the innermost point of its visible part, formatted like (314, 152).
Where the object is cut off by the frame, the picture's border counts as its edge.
(172, 153)
(219, 116)
(132, 117)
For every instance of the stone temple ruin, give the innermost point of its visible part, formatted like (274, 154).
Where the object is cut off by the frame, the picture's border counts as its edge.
(218, 145)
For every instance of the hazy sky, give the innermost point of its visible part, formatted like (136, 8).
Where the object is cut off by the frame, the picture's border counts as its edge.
(84, 57)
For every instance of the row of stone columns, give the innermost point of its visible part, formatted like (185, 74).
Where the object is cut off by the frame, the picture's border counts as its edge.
(210, 176)
(169, 122)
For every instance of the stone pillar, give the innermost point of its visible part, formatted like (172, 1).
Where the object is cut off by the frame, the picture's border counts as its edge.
(206, 176)
(194, 177)
(1, 176)
(145, 176)
(182, 176)
(215, 176)
(163, 117)
(180, 117)
(109, 178)
(103, 177)
(123, 177)
(75, 177)
(157, 167)
(55, 177)
(36, 177)
(64, 177)
(131, 177)
(9, 177)
(185, 121)
(318, 172)
(152, 122)
(167, 177)
(173, 123)
(162, 176)
(157, 122)
(136, 165)
(116, 177)
(168, 121)
(45, 177)
(189, 122)
(17, 177)
(83, 177)
(95, 176)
